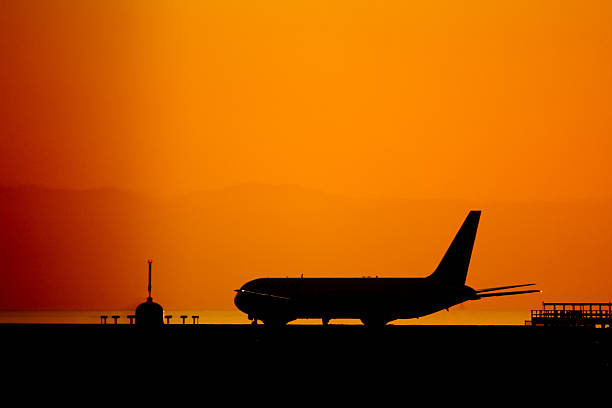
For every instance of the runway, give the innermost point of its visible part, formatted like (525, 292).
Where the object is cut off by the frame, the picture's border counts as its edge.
(414, 346)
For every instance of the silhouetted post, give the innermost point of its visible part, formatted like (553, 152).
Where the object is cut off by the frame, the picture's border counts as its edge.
(131, 317)
(103, 319)
(183, 317)
(149, 313)
(168, 319)
(115, 318)
(195, 318)
(149, 261)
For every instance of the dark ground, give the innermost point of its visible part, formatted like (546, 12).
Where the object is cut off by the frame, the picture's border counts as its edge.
(353, 359)
(482, 346)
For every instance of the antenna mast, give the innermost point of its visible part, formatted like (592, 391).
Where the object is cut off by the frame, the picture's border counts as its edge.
(149, 299)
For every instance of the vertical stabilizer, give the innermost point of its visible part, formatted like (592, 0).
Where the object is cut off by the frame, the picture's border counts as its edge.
(454, 265)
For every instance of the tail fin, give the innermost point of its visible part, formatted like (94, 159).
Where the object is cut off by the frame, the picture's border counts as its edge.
(454, 265)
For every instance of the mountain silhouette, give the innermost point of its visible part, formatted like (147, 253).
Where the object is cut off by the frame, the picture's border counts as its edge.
(87, 249)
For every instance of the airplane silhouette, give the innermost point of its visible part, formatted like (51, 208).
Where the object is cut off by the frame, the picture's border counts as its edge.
(375, 301)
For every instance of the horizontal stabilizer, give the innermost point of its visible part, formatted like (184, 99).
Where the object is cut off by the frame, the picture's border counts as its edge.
(518, 292)
(261, 294)
(504, 287)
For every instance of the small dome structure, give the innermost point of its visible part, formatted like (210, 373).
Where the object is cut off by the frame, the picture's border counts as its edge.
(149, 313)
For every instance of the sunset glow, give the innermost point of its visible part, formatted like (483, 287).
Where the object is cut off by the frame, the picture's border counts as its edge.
(234, 139)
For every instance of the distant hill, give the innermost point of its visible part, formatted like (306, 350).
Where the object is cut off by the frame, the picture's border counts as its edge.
(68, 249)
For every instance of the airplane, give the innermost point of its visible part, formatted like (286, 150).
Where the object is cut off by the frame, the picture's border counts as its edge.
(376, 301)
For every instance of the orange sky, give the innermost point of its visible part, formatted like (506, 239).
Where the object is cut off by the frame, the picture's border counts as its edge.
(476, 100)
(504, 99)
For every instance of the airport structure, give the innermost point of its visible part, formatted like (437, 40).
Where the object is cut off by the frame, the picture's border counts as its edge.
(572, 315)
(149, 313)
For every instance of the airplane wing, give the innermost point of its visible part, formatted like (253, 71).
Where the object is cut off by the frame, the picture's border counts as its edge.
(518, 292)
(261, 294)
(504, 287)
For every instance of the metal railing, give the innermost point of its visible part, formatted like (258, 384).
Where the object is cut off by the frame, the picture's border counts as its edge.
(571, 314)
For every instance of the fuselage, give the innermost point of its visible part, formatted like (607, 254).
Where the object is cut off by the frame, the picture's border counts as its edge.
(373, 300)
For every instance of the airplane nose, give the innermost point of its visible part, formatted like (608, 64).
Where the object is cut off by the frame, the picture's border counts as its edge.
(239, 300)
